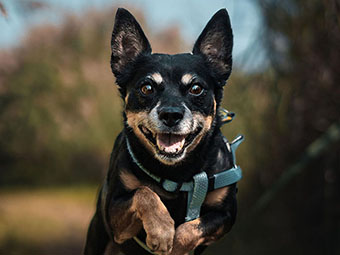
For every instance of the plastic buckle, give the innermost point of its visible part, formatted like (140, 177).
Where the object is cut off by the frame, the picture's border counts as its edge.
(225, 115)
(171, 186)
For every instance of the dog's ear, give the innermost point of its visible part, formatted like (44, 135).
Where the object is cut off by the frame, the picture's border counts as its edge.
(215, 43)
(128, 41)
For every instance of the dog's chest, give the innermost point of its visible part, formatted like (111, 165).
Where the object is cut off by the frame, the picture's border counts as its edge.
(176, 206)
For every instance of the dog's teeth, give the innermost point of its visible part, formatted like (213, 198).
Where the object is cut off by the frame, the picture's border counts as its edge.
(145, 130)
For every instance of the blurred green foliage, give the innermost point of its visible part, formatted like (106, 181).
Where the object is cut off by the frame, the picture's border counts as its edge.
(59, 108)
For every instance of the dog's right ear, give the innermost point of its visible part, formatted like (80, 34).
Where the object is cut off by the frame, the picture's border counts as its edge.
(128, 41)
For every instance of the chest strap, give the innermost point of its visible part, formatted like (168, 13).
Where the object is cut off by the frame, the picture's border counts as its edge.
(196, 196)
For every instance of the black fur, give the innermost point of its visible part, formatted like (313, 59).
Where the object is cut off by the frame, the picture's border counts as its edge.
(132, 62)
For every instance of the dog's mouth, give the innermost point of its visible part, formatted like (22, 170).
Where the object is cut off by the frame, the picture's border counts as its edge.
(170, 144)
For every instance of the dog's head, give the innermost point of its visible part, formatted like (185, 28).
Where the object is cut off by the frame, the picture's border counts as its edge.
(171, 100)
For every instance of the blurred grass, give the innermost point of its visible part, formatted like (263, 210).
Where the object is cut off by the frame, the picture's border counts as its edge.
(45, 220)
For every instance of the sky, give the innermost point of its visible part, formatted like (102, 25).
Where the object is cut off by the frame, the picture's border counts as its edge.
(189, 15)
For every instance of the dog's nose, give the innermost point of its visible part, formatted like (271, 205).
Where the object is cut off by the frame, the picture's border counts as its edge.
(171, 116)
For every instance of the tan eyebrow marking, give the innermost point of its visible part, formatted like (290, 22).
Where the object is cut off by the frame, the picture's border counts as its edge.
(157, 77)
(186, 78)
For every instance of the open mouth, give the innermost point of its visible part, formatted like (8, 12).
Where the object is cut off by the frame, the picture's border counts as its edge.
(170, 144)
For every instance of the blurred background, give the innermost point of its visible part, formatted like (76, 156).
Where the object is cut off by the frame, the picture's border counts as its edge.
(60, 113)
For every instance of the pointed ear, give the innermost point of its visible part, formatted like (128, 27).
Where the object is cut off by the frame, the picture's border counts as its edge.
(215, 43)
(128, 41)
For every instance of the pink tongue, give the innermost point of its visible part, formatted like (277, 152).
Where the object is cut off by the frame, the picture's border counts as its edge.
(170, 143)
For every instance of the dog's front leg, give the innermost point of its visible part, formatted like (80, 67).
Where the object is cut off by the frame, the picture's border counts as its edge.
(143, 209)
(202, 231)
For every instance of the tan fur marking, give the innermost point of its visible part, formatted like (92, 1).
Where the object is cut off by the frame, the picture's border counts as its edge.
(126, 98)
(186, 78)
(125, 224)
(188, 236)
(219, 231)
(213, 238)
(129, 180)
(214, 107)
(216, 197)
(157, 77)
(134, 119)
(206, 121)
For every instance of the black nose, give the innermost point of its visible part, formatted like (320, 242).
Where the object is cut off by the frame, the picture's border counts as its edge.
(171, 116)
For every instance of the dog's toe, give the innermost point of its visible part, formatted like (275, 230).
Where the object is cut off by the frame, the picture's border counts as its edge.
(161, 241)
(160, 244)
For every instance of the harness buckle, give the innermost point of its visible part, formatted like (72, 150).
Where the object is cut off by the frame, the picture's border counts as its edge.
(171, 186)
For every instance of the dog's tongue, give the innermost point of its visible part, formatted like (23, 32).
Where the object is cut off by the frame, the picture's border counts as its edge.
(170, 143)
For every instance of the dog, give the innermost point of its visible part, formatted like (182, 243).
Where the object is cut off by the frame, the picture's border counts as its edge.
(171, 184)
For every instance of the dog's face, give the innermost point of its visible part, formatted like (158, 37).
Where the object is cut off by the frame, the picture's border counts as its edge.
(170, 105)
(171, 100)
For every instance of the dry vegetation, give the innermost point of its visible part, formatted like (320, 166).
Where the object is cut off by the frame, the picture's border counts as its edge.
(45, 221)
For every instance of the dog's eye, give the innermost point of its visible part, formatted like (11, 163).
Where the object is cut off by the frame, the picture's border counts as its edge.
(146, 89)
(196, 90)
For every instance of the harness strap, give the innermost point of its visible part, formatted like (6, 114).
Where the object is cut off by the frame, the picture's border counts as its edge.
(156, 178)
(234, 145)
(233, 174)
(228, 177)
(143, 245)
(196, 196)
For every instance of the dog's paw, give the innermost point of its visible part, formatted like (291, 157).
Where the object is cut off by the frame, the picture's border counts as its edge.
(160, 230)
(157, 222)
(187, 237)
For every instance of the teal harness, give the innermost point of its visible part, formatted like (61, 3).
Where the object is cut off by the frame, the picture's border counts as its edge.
(200, 184)
(197, 188)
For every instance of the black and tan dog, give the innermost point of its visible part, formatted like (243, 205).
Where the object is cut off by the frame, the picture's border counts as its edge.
(161, 194)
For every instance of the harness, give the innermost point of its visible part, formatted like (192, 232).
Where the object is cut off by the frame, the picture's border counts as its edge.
(201, 183)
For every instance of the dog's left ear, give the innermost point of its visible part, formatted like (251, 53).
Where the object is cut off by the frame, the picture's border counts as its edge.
(215, 43)
(128, 41)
